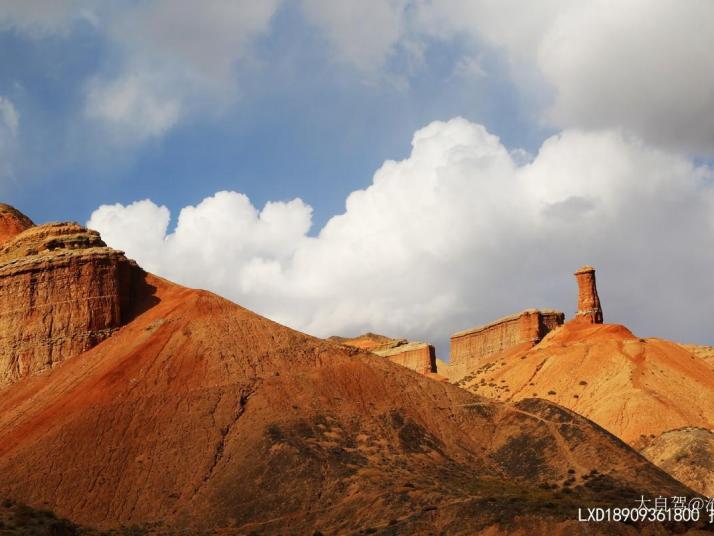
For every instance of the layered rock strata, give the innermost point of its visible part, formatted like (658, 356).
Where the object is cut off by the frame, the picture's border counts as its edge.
(474, 346)
(62, 291)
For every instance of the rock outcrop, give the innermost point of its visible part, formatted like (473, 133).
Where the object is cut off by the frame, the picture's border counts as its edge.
(415, 355)
(473, 347)
(589, 309)
(12, 222)
(62, 291)
(418, 356)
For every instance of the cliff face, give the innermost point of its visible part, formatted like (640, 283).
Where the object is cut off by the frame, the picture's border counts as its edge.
(471, 348)
(62, 291)
(418, 356)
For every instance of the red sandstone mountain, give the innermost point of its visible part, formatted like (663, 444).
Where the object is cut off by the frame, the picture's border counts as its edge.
(191, 412)
(635, 388)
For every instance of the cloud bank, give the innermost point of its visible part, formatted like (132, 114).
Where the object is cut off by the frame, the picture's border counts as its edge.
(642, 65)
(454, 235)
(177, 59)
(42, 17)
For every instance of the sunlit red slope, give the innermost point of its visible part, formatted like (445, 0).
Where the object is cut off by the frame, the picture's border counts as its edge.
(632, 387)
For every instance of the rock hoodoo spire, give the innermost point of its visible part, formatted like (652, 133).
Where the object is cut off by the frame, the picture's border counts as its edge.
(589, 309)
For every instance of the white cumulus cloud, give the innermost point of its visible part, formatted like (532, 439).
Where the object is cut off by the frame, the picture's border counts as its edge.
(456, 234)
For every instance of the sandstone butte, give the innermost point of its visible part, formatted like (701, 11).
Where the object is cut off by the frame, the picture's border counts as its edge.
(415, 355)
(635, 388)
(190, 413)
(39, 267)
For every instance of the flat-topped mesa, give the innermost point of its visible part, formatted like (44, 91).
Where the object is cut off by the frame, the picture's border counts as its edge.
(62, 291)
(589, 309)
(473, 347)
(418, 356)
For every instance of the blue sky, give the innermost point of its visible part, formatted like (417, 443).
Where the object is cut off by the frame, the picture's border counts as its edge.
(303, 125)
(334, 165)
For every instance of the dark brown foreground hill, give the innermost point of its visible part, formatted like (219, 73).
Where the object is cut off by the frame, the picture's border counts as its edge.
(198, 414)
